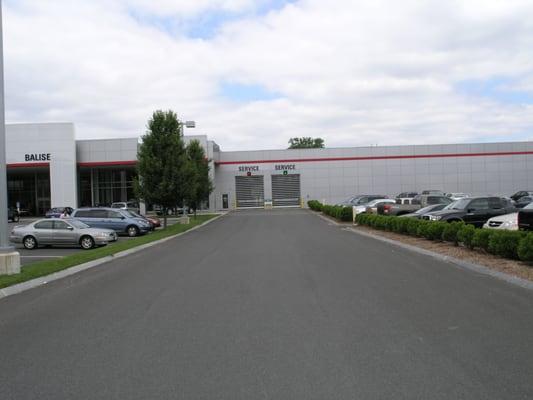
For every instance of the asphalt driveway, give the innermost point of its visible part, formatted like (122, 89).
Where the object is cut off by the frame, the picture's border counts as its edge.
(269, 305)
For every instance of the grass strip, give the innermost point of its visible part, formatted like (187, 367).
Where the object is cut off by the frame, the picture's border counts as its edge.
(47, 267)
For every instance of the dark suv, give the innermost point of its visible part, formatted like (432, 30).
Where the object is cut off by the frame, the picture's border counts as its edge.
(475, 211)
(520, 194)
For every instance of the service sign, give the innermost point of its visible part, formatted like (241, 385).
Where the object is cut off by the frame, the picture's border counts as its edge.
(37, 157)
(284, 167)
(248, 168)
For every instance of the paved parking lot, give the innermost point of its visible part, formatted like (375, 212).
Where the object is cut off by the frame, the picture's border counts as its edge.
(46, 253)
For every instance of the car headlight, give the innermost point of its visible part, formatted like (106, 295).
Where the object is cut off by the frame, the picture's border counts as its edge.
(434, 217)
(509, 224)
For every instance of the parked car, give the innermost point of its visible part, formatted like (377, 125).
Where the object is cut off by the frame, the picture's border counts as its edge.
(12, 215)
(407, 195)
(62, 232)
(153, 221)
(523, 201)
(119, 220)
(475, 211)
(126, 205)
(363, 208)
(361, 200)
(525, 218)
(521, 193)
(417, 203)
(433, 192)
(372, 207)
(419, 214)
(506, 221)
(56, 212)
(457, 196)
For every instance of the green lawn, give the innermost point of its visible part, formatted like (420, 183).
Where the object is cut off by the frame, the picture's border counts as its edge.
(47, 267)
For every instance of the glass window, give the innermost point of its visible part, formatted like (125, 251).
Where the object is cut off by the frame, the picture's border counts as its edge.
(113, 214)
(61, 225)
(479, 204)
(495, 202)
(44, 225)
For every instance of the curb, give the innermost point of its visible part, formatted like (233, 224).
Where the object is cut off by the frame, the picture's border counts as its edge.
(43, 280)
(514, 280)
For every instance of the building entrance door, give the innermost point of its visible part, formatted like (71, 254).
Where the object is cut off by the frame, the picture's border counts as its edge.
(250, 191)
(286, 190)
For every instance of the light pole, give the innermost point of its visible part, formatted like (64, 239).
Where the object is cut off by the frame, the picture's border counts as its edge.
(9, 258)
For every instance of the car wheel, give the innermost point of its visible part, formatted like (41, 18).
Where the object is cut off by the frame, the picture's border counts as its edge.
(132, 231)
(87, 243)
(29, 242)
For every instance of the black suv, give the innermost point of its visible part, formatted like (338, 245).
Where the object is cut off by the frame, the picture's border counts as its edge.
(475, 211)
(521, 194)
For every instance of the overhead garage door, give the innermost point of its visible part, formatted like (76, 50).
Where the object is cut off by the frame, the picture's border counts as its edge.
(250, 191)
(286, 190)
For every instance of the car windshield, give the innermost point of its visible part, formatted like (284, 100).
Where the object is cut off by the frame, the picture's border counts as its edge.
(458, 205)
(78, 224)
(426, 210)
(116, 205)
(128, 214)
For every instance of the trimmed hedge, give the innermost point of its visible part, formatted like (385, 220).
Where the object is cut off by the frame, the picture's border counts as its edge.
(338, 212)
(508, 244)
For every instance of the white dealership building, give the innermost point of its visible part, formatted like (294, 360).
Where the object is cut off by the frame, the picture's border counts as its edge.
(47, 167)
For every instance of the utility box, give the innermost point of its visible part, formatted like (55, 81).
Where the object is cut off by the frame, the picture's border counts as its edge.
(268, 204)
(185, 220)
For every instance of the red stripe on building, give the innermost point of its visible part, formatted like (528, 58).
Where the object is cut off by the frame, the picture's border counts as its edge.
(106, 163)
(28, 165)
(368, 158)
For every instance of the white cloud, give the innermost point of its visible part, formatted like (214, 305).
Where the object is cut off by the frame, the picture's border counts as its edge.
(354, 72)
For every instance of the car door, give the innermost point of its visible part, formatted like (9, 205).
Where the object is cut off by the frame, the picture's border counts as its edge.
(44, 232)
(116, 221)
(64, 233)
(478, 212)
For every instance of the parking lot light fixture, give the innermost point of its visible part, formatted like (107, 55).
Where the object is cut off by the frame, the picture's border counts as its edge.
(9, 258)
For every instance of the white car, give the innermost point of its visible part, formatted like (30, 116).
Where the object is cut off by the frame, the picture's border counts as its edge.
(363, 207)
(457, 196)
(507, 221)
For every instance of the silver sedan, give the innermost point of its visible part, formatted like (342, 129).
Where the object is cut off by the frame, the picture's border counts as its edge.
(61, 232)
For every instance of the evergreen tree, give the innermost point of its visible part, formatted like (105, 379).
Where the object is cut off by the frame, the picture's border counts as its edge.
(162, 162)
(199, 185)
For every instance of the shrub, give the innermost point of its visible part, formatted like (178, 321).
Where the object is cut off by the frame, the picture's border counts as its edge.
(525, 248)
(346, 214)
(451, 231)
(423, 227)
(435, 230)
(505, 243)
(401, 224)
(412, 226)
(481, 238)
(315, 205)
(466, 235)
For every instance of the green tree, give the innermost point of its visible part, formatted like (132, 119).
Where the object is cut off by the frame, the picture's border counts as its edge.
(161, 162)
(306, 143)
(199, 186)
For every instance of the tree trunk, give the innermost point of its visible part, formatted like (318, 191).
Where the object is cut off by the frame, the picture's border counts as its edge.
(165, 215)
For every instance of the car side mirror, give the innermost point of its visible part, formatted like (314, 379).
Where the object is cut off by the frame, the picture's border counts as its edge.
(122, 217)
(70, 228)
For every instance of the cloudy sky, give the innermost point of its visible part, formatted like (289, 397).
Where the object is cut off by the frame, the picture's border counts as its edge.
(253, 73)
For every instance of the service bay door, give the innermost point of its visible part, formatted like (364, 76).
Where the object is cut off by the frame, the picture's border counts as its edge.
(286, 190)
(250, 191)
